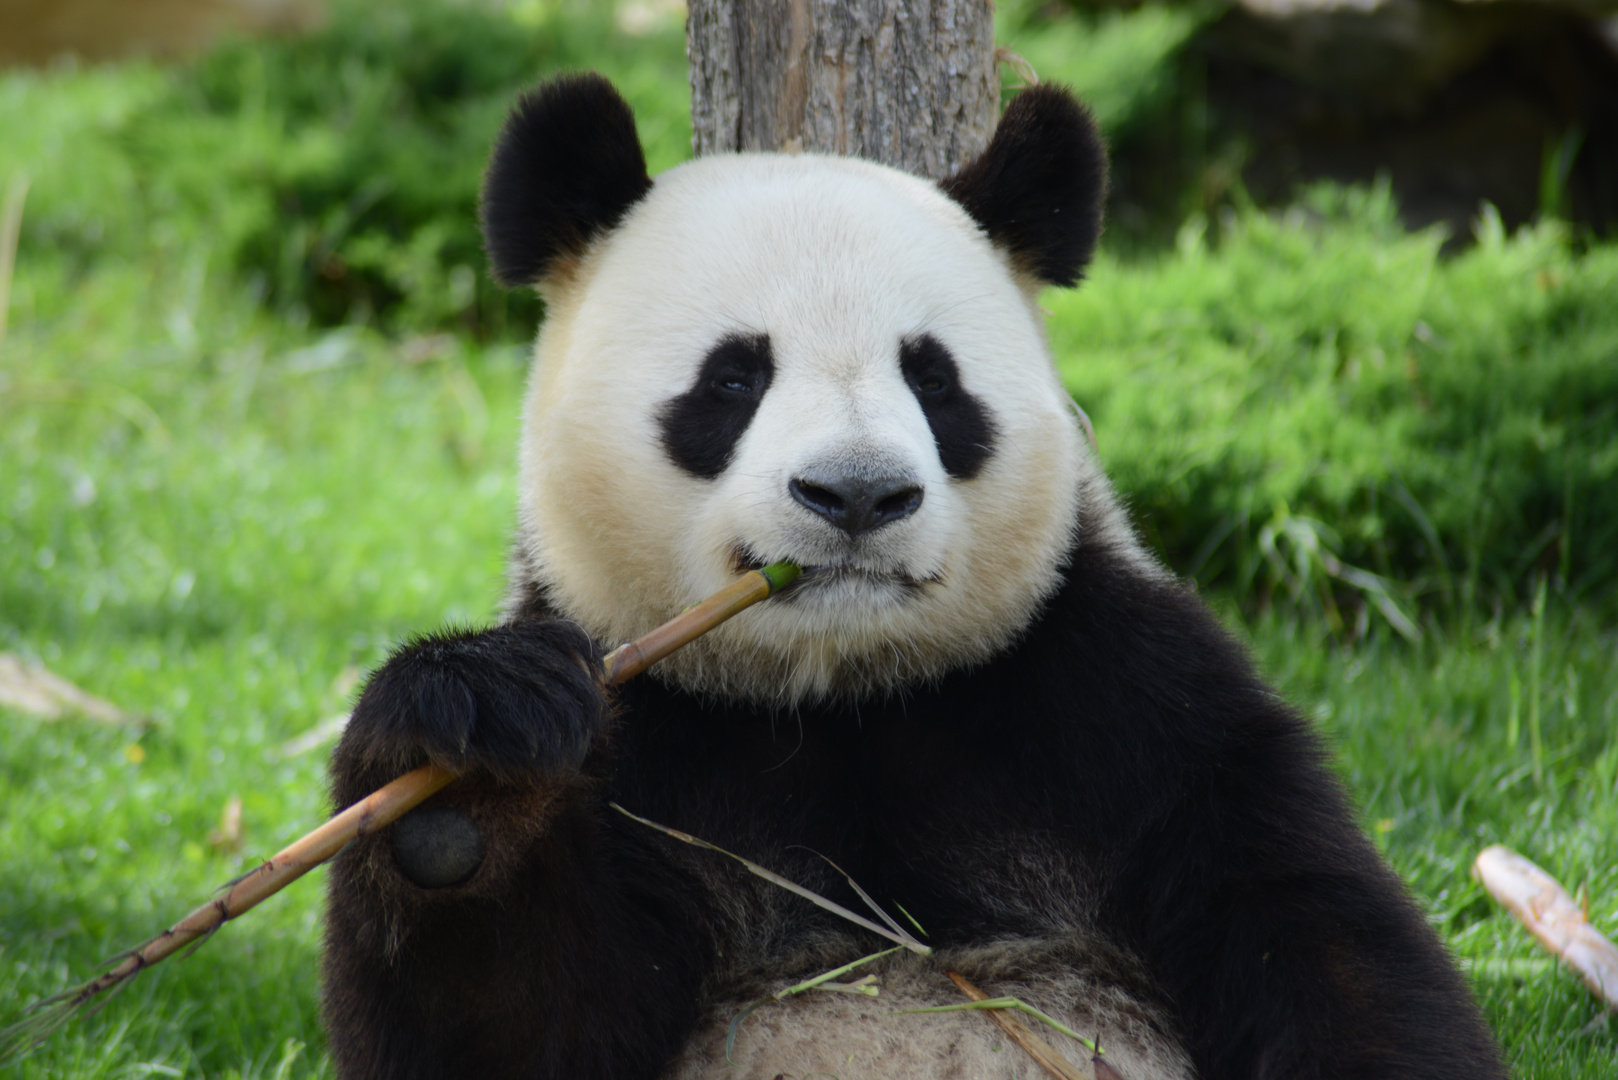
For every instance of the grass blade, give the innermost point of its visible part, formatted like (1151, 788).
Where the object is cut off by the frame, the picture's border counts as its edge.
(790, 886)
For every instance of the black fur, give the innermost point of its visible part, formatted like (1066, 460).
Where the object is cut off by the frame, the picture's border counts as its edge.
(961, 426)
(702, 426)
(1126, 744)
(1039, 188)
(566, 168)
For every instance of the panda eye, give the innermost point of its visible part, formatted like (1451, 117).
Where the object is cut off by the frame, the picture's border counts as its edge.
(929, 370)
(736, 386)
(737, 370)
(702, 425)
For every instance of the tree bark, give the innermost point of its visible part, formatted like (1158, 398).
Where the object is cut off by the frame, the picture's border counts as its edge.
(908, 83)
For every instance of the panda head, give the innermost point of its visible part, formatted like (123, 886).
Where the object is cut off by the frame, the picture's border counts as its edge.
(758, 357)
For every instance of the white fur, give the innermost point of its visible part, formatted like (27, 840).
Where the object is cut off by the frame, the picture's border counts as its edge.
(837, 260)
(837, 1034)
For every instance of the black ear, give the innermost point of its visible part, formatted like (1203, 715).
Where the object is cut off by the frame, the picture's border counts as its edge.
(1038, 189)
(566, 167)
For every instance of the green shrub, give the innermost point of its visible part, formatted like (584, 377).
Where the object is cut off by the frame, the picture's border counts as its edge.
(1312, 406)
(1316, 393)
(1123, 63)
(336, 173)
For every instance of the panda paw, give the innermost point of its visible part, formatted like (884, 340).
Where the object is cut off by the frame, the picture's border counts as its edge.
(522, 700)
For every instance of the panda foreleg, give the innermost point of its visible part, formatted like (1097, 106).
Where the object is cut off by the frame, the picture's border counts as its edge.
(1289, 947)
(510, 926)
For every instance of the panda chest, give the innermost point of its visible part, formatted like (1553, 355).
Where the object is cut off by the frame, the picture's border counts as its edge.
(880, 793)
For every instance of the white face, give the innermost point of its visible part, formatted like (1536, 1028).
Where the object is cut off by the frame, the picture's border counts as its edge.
(837, 263)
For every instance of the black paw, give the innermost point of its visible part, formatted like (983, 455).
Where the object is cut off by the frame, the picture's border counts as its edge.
(515, 700)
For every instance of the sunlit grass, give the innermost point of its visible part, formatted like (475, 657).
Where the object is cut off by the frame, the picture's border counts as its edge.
(1428, 744)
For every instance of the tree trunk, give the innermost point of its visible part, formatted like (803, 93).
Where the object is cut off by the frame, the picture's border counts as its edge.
(908, 83)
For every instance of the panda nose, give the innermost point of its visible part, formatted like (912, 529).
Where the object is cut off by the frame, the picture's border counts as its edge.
(856, 504)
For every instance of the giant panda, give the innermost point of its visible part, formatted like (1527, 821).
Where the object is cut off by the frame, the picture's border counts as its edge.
(985, 701)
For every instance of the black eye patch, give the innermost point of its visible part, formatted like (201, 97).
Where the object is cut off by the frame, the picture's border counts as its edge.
(702, 426)
(962, 429)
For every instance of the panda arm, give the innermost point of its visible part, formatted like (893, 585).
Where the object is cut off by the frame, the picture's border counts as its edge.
(529, 956)
(1236, 868)
(1288, 947)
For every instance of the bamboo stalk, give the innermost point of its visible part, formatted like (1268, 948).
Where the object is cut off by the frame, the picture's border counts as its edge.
(374, 811)
(1551, 915)
(634, 657)
(378, 809)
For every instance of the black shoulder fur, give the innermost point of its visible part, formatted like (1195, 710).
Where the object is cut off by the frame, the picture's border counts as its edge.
(566, 168)
(1039, 188)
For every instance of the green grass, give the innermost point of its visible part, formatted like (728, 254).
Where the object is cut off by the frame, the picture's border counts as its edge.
(1425, 740)
(221, 570)
(228, 482)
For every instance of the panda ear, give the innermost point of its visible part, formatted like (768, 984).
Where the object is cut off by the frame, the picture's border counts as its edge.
(1039, 187)
(565, 169)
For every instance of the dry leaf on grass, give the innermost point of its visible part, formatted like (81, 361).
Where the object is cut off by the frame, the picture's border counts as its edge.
(330, 728)
(227, 839)
(322, 733)
(27, 687)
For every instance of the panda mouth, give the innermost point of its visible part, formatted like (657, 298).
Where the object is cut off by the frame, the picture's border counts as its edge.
(819, 576)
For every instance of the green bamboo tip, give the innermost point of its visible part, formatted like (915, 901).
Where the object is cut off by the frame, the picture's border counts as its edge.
(780, 575)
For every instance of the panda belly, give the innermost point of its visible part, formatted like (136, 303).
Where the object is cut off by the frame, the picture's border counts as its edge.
(854, 1037)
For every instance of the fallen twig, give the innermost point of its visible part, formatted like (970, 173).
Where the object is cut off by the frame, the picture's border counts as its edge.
(1551, 915)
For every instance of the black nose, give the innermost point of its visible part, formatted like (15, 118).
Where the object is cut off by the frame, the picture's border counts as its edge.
(856, 504)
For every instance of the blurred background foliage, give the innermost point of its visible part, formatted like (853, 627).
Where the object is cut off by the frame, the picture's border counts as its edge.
(1438, 417)
(1319, 376)
(334, 173)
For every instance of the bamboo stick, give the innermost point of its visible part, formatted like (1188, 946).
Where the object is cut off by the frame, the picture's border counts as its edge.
(634, 657)
(1550, 914)
(378, 809)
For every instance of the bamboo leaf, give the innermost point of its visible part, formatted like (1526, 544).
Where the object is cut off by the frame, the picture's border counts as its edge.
(736, 1025)
(922, 930)
(819, 982)
(790, 886)
(887, 919)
